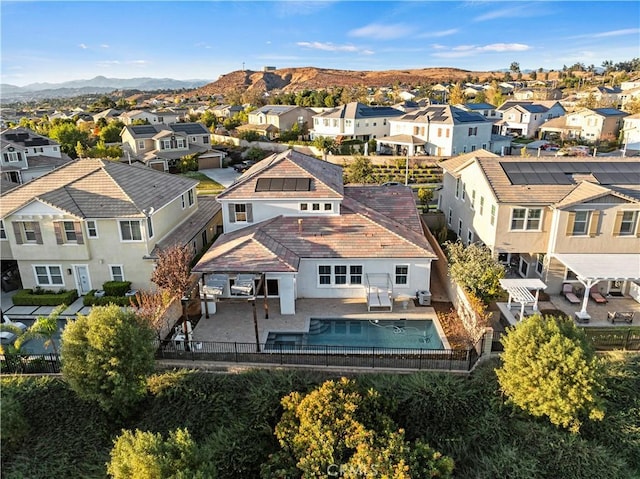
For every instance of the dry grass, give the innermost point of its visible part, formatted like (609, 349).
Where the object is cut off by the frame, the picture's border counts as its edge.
(453, 328)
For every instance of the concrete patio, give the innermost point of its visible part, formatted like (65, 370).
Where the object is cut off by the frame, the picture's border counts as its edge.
(233, 320)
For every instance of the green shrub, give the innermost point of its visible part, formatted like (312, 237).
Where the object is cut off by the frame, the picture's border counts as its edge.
(90, 299)
(40, 297)
(116, 288)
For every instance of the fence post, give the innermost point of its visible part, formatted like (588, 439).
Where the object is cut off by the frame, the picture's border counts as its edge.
(280, 353)
(420, 360)
(373, 357)
(235, 348)
(326, 355)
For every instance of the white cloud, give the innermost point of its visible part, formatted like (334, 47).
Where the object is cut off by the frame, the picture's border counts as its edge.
(442, 33)
(612, 33)
(382, 32)
(468, 50)
(331, 47)
(83, 46)
(521, 11)
(138, 62)
(107, 63)
(104, 45)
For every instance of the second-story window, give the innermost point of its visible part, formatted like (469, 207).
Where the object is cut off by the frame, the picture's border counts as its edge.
(458, 185)
(140, 144)
(92, 229)
(12, 156)
(481, 205)
(3, 233)
(526, 219)
(130, 230)
(69, 231)
(493, 215)
(149, 227)
(240, 212)
(581, 223)
(628, 223)
(190, 197)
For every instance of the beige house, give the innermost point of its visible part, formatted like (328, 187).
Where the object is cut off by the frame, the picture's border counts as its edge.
(545, 216)
(591, 125)
(280, 118)
(93, 221)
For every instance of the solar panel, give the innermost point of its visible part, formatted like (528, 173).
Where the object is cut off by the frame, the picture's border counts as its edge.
(615, 178)
(189, 128)
(283, 184)
(144, 129)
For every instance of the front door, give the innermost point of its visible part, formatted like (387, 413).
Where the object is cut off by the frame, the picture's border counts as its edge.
(82, 279)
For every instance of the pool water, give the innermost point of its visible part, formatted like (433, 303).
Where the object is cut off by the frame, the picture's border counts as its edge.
(36, 345)
(383, 333)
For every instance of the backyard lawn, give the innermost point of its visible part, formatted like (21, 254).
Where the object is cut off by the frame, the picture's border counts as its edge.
(207, 186)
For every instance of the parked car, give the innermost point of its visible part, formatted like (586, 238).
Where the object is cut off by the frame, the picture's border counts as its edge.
(244, 166)
(550, 147)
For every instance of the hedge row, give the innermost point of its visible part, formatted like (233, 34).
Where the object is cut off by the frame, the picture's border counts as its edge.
(90, 299)
(29, 297)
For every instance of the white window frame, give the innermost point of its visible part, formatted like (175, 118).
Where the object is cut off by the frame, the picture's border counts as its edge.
(93, 228)
(397, 275)
(340, 275)
(492, 219)
(149, 227)
(463, 193)
(584, 222)
(481, 209)
(130, 222)
(521, 266)
(458, 185)
(540, 263)
(69, 232)
(459, 228)
(470, 236)
(25, 232)
(13, 156)
(324, 274)
(190, 198)
(49, 274)
(113, 276)
(184, 203)
(140, 144)
(304, 207)
(240, 209)
(526, 219)
(472, 199)
(633, 223)
(3, 232)
(450, 217)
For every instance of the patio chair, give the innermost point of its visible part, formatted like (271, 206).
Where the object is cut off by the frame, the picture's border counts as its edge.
(17, 324)
(567, 292)
(594, 293)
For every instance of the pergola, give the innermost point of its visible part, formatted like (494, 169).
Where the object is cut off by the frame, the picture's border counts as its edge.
(408, 141)
(590, 269)
(519, 290)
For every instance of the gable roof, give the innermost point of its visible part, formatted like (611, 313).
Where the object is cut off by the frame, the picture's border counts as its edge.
(94, 188)
(587, 191)
(444, 114)
(453, 164)
(326, 178)
(356, 110)
(24, 138)
(274, 109)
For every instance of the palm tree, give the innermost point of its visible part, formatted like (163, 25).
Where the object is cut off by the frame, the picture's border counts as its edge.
(44, 327)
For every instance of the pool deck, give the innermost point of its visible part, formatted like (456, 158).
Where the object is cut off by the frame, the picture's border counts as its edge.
(233, 321)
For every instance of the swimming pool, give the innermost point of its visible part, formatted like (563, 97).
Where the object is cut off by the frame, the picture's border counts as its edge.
(379, 333)
(37, 346)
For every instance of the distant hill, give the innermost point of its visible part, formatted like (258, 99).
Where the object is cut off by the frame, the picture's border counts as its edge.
(99, 84)
(297, 79)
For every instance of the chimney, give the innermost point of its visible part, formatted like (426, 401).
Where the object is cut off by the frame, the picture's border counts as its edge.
(299, 225)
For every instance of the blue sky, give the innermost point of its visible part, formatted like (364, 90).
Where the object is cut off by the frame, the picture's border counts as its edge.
(60, 41)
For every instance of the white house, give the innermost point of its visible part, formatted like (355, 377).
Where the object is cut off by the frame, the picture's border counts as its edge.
(631, 133)
(440, 130)
(354, 121)
(152, 117)
(291, 220)
(524, 118)
(27, 155)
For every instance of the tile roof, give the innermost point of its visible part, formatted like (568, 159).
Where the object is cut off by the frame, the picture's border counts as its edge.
(94, 188)
(444, 114)
(547, 194)
(356, 109)
(326, 178)
(23, 137)
(451, 165)
(374, 222)
(586, 191)
(182, 234)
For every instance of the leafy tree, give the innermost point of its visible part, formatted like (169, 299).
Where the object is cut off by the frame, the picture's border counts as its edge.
(360, 170)
(336, 429)
(188, 163)
(111, 132)
(145, 455)
(256, 154)
(149, 306)
(632, 107)
(457, 95)
(533, 75)
(106, 357)
(549, 368)
(514, 67)
(480, 97)
(425, 195)
(209, 119)
(249, 135)
(69, 135)
(324, 143)
(45, 328)
(140, 121)
(475, 269)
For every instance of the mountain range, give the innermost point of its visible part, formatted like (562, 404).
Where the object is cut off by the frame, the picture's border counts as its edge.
(99, 84)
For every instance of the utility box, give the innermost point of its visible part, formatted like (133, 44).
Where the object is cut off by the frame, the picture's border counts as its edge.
(424, 298)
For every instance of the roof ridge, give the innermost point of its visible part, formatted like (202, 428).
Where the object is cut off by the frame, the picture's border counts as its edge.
(103, 168)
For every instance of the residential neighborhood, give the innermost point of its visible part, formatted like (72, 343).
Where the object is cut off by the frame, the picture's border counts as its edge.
(316, 253)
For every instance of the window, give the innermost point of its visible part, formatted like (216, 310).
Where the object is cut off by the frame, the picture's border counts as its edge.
(347, 123)
(481, 205)
(117, 272)
(12, 157)
(355, 274)
(439, 132)
(524, 268)
(241, 212)
(141, 144)
(628, 223)
(328, 207)
(570, 276)
(526, 219)
(130, 230)
(473, 199)
(315, 206)
(469, 237)
(463, 192)
(181, 143)
(493, 215)
(29, 232)
(340, 274)
(473, 131)
(69, 231)
(458, 185)
(190, 197)
(48, 275)
(402, 274)
(324, 274)
(149, 227)
(3, 233)
(304, 206)
(92, 229)
(184, 204)
(540, 263)
(446, 132)
(449, 217)
(459, 228)
(205, 140)
(581, 223)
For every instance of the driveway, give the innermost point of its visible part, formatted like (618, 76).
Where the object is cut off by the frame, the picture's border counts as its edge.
(224, 176)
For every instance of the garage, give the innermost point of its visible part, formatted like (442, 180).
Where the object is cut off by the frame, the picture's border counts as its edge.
(210, 159)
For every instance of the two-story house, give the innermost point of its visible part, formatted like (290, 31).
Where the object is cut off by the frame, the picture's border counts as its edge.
(160, 146)
(151, 117)
(440, 130)
(524, 118)
(291, 219)
(93, 221)
(590, 125)
(222, 112)
(354, 121)
(547, 215)
(485, 109)
(27, 155)
(631, 134)
(270, 120)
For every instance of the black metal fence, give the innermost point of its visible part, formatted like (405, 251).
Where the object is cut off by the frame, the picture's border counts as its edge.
(603, 339)
(321, 356)
(29, 364)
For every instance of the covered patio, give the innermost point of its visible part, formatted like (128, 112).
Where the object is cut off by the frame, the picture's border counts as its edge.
(591, 269)
(408, 143)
